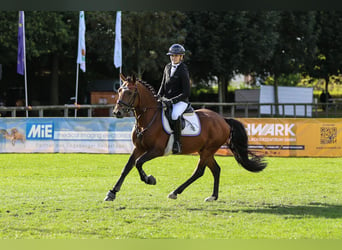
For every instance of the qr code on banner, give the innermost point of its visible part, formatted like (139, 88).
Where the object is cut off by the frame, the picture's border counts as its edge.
(328, 135)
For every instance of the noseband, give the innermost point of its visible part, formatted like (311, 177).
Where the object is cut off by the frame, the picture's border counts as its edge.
(128, 106)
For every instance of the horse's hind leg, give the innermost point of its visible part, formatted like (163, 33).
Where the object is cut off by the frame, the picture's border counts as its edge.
(199, 171)
(215, 170)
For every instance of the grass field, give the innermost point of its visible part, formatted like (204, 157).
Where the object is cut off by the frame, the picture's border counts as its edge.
(60, 196)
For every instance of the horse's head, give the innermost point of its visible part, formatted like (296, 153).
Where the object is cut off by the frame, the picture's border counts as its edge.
(127, 98)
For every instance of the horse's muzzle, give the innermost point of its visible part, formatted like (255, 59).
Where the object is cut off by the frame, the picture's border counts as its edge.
(118, 113)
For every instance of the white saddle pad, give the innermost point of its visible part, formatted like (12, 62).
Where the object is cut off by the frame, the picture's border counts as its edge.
(192, 124)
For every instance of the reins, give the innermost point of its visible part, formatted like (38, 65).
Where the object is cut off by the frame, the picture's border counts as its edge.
(140, 133)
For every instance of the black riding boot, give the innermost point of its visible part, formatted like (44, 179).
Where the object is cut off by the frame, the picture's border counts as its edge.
(177, 128)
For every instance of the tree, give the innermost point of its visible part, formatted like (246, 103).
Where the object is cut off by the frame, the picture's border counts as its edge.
(48, 35)
(100, 35)
(211, 53)
(51, 47)
(295, 46)
(146, 37)
(8, 56)
(226, 43)
(328, 59)
(219, 44)
(257, 41)
(8, 37)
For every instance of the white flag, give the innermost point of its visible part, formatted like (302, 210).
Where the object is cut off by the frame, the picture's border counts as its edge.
(81, 43)
(117, 48)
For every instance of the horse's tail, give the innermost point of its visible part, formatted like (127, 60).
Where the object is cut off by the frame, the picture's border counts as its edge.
(239, 146)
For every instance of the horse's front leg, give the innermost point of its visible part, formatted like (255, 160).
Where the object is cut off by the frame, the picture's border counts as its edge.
(111, 195)
(149, 155)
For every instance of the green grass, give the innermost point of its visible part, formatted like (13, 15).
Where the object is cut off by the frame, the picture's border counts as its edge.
(60, 196)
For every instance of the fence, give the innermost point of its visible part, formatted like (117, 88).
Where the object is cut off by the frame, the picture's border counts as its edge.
(250, 110)
(57, 110)
(247, 110)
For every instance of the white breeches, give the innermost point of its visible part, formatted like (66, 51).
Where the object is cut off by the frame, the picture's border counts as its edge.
(178, 109)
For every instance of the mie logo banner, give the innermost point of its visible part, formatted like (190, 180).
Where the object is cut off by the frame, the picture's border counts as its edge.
(39, 131)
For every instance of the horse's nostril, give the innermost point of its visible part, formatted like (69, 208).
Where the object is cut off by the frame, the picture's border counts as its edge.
(117, 114)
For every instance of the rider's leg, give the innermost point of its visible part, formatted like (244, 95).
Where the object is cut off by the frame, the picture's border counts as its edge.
(177, 110)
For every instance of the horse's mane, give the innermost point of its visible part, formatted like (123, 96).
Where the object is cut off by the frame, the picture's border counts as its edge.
(148, 86)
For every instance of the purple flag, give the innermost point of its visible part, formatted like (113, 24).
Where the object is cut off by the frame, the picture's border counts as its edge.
(21, 46)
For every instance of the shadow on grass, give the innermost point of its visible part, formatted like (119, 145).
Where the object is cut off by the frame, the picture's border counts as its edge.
(319, 210)
(313, 209)
(292, 211)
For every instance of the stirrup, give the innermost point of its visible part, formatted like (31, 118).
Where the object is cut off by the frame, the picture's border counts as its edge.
(176, 148)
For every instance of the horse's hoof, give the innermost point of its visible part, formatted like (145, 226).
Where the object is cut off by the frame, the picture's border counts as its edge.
(211, 198)
(151, 180)
(110, 196)
(172, 196)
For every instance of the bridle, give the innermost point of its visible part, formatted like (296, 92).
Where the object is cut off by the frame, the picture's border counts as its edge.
(128, 106)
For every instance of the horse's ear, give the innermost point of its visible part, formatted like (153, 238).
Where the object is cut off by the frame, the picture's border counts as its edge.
(134, 78)
(122, 77)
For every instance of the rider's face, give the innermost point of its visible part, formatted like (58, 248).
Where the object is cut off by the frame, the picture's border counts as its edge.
(175, 59)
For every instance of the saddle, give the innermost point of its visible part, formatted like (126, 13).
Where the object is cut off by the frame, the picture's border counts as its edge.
(190, 122)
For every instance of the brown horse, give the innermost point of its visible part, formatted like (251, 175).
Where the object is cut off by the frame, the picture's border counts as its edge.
(150, 139)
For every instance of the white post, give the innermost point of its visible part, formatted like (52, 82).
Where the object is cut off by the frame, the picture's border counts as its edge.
(76, 94)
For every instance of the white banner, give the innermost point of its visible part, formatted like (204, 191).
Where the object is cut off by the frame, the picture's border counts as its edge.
(66, 135)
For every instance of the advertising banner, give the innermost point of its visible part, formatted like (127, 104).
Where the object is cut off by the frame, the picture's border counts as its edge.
(66, 135)
(295, 136)
(307, 137)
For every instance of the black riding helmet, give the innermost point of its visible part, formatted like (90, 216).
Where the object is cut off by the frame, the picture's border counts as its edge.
(176, 49)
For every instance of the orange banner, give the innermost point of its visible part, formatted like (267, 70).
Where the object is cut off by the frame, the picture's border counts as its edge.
(310, 137)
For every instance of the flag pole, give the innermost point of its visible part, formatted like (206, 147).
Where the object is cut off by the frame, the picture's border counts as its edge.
(81, 53)
(24, 47)
(76, 92)
(21, 59)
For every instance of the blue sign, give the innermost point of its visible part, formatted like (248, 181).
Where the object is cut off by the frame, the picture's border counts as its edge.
(39, 131)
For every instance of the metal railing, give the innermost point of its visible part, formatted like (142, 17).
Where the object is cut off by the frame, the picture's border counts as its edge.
(58, 110)
(225, 109)
(284, 110)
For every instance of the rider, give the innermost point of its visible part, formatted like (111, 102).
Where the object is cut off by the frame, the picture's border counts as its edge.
(175, 87)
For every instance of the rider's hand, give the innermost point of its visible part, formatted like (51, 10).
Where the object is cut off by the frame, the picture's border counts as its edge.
(168, 102)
